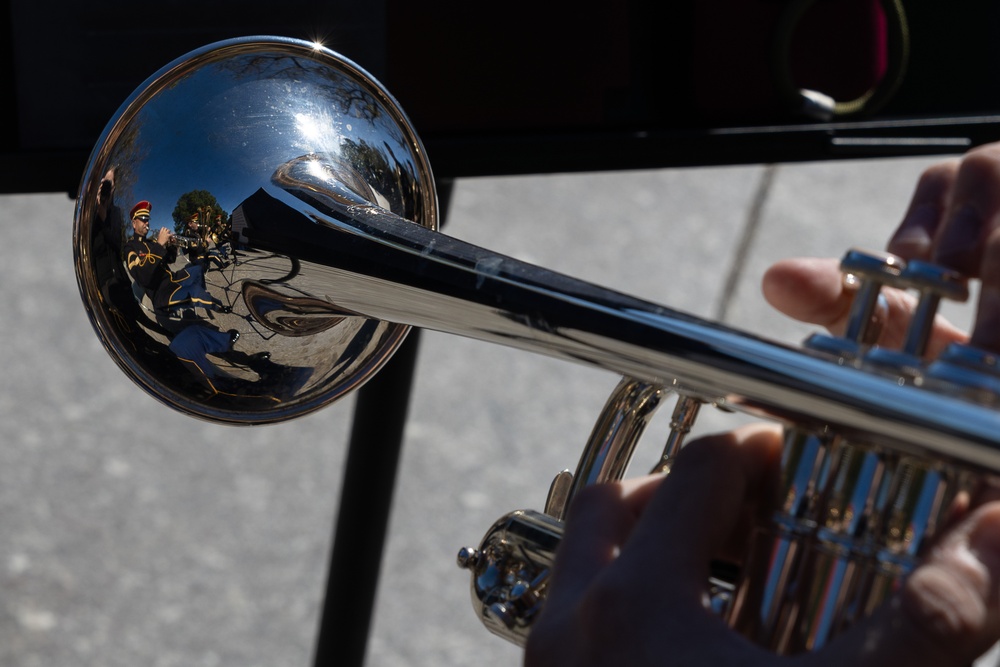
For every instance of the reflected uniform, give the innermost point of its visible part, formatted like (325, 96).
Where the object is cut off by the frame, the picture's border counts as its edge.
(148, 263)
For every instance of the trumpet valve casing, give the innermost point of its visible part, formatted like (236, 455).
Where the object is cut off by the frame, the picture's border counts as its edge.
(855, 511)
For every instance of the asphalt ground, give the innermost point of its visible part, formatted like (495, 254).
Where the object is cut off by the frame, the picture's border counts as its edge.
(132, 535)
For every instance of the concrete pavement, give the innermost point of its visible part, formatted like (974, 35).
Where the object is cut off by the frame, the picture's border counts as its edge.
(133, 535)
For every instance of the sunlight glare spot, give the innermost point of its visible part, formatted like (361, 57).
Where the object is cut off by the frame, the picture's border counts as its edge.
(308, 127)
(317, 169)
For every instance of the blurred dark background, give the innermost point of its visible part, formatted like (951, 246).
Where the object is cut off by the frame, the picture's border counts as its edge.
(538, 87)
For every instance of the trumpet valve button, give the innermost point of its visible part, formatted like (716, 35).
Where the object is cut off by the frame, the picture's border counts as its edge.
(882, 267)
(933, 283)
(867, 272)
(934, 279)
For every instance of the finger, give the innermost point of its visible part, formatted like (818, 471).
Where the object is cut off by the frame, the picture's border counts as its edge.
(946, 612)
(812, 290)
(599, 521)
(914, 237)
(986, 329)
(972, 213)
(808, 289)
(986, 490)
(690, 519)
(643, 593)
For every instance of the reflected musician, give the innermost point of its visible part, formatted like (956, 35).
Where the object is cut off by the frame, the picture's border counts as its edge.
(178, 291)
(149, 263)
(198, 241)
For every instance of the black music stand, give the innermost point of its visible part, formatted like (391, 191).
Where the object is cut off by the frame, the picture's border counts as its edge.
(366, 496)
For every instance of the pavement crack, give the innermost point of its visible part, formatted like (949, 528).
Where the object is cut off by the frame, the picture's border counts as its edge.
(750, 228)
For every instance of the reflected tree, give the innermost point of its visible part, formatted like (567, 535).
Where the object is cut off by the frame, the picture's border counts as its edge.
(200, 202)
(130, 150)
(393, 179)
(340, 91)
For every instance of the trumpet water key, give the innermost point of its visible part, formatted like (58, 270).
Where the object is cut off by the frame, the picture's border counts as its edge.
(335, 254)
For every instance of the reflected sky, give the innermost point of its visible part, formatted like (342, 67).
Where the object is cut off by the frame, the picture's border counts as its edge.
(235, 119)
(224, 127)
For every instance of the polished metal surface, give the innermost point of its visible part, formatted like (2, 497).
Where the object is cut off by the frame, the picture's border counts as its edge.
(510, 571)
(612, 442)
(322, 179)
(857, 507)
(278, 132)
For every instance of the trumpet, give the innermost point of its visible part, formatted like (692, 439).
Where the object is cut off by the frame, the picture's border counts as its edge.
(177, 240)
(335, 218)
(184, 241)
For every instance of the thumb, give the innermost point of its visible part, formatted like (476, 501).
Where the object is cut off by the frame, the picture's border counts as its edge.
(812, 290)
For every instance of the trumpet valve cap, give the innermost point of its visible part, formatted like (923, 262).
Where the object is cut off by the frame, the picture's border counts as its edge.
(881, 267)
(938, 280)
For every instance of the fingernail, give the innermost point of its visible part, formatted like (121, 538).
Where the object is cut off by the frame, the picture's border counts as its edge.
(960, 238)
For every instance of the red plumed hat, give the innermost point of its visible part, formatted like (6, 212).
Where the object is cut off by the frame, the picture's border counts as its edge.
(142, 207)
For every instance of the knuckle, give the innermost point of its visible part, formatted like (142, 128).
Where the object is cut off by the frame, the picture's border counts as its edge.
(594, 500)
(936, 180)
(944, 610)
(981, 164)
(708, 451)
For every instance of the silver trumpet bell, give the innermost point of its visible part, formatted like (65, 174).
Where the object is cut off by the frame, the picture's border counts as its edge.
(331, 253)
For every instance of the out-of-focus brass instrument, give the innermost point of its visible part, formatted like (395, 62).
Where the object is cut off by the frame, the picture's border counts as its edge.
(177, 240)
(184, 241)
(335, 251)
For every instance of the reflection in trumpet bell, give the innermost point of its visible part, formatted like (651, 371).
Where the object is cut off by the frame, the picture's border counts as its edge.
(239, 116)
(289, 315)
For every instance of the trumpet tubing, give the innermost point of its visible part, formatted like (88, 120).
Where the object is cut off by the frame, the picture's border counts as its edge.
(184, 241)
(335, 253)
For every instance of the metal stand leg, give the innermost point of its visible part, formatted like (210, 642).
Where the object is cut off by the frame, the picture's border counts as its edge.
(365, 501)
